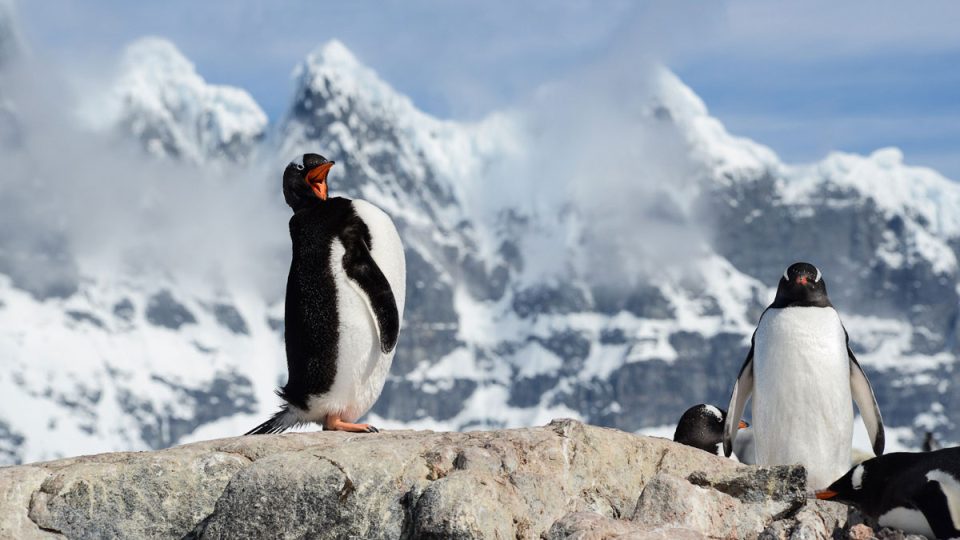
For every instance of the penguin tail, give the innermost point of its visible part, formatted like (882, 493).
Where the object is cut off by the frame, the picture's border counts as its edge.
(278, 423)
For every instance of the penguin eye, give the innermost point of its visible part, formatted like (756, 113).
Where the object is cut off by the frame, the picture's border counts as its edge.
(299, 167)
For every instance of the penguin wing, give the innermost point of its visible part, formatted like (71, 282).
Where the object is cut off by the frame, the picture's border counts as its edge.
(939, 501)
(866, 402)
(742, 390)
(360, 267)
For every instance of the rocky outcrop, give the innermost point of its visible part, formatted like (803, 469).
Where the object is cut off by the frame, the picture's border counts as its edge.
(564, 480)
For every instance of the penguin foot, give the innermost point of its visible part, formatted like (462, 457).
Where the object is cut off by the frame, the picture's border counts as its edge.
(334, 423)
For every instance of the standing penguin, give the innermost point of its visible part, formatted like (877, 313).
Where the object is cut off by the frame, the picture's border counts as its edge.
(802, 375)
(345, 297)
(917, 492)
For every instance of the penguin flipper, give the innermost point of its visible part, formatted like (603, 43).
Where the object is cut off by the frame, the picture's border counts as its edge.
(742, 390)
(867, 403)
(363, 271)
(939, 501)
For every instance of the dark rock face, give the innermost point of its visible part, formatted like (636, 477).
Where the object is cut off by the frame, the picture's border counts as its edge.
(164, 310)
(230, 318)
(225, 395)
(10, 443)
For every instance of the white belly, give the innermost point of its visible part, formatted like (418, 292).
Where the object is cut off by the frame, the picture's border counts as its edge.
(362, 368)
(802, 405)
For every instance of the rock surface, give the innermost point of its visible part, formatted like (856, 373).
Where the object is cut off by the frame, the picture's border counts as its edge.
(563, 480)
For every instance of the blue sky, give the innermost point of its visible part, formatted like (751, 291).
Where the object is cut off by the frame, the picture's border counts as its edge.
(803, 78)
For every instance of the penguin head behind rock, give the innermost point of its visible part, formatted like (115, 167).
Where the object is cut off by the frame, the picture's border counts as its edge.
(802, 284)
(701, 426)
(305, 180)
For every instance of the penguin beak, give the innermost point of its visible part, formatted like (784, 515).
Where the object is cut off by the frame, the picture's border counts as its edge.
(744, 425)
(825, 494)
(802, 280)
(317, 179)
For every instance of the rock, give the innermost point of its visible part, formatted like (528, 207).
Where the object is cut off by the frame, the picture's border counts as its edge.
(564, 480)
(593, 526)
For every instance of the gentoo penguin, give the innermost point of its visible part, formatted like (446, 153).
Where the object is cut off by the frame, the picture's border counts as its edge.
(930, 442)
(802, 375)
(345, 297)
(701, 426)
(917, 492)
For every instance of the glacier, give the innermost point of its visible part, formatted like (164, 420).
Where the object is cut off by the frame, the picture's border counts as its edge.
(552, 272)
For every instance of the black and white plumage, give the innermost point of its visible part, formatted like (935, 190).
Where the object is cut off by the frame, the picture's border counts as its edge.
(701, 426)
(802, 376)
(344, 304)
(917, 492)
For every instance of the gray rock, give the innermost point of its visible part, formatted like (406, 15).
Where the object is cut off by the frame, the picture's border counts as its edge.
(564, 480)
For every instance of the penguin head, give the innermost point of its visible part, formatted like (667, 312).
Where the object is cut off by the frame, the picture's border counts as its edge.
(305, 180)
(701, 426)
(802, 284)
(862, 486)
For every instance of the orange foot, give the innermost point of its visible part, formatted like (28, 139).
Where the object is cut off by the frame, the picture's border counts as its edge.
(333, 423)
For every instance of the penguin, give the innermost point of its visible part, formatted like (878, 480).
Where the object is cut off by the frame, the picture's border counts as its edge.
(701, 426)
(344, 304)
(917, 492)
(930, 442)
(802, 375)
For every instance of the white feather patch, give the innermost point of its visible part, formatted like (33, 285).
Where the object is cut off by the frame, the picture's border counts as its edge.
(714, 411)
(819, 275)
(785, 276)
(857, 479)
(907, 520)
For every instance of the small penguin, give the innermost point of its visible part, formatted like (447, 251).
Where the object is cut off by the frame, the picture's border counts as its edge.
(917, 492)
(930, 442)
(344, 304)
(802, 375)
(701, 426)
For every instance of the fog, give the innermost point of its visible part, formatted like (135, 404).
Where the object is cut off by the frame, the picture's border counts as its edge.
(112, 208)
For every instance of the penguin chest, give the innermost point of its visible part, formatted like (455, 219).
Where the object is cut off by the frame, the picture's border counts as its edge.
(361, 367)
(802, 404)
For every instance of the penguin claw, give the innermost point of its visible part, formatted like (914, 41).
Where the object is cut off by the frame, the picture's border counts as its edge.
(372, 429)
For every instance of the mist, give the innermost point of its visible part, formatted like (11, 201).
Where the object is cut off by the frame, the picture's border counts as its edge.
(98, 204)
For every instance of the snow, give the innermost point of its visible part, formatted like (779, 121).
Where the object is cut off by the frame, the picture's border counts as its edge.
(71, 376)
(158, 88)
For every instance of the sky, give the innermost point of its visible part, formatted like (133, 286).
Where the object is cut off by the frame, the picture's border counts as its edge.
(803, 78)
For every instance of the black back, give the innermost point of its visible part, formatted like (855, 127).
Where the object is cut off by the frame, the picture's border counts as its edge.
(900, 480)
(701, 428)
(311, 317)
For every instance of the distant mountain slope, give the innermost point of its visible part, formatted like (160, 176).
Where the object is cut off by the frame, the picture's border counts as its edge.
(549, 275)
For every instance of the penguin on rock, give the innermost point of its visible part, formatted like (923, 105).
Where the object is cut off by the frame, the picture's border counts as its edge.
(344, 304)
(916, 492)
(802, 376)
(701, 426)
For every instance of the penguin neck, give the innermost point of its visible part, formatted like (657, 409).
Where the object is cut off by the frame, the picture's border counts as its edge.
(812, 300)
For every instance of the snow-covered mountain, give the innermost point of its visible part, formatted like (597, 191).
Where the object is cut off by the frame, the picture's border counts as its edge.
(616, 281)
(160, 99)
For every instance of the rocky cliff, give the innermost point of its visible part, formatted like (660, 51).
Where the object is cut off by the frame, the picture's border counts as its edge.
(563, 480)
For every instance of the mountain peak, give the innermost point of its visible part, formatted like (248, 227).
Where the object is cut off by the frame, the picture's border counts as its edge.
(161, 99)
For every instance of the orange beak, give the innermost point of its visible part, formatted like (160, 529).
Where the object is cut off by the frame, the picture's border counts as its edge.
(317, 179)
(802, 280)
(744, 425)
(826, 494)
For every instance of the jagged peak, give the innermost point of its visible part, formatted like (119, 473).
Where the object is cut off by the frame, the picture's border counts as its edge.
(157, 56)
(162, 98)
